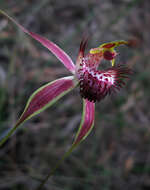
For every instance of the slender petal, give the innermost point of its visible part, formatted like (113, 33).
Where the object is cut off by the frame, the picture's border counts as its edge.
(57, 51)
(114, 44)
(43, 98)
(86, 126)
(87, 121)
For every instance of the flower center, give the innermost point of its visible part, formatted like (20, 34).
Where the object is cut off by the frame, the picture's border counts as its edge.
(95, 85)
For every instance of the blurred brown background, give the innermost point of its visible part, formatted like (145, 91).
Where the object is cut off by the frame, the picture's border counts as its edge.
(116, 155)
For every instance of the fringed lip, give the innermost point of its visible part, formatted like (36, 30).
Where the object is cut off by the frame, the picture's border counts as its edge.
(95, 85)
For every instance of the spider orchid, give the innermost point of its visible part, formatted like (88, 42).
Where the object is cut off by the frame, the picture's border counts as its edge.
(94, 84)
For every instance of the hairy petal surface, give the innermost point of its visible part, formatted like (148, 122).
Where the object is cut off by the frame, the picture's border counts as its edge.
(87, 121)
(43, 98)
(95, 84)
(57, 51)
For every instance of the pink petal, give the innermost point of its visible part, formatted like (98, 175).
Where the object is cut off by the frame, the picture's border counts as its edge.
(57, 51)
(41, 99)
(87, 122)
(46, 96)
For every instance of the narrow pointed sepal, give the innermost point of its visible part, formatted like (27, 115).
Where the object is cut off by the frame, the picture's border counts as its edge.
(87, 121)
(43, 98)
(80, 62)
(46, 96)
(57, 51)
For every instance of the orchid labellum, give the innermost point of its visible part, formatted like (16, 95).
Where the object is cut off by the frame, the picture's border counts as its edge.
(94, 84)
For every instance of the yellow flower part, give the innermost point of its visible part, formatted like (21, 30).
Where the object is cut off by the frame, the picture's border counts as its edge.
(107, 49)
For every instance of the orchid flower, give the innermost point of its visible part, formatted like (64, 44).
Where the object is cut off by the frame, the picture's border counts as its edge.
(94, 84)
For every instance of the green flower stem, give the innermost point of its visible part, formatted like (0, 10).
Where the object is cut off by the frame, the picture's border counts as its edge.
(4, 139)
(57, 165)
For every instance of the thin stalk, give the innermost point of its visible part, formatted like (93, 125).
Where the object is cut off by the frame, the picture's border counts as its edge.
(57, 165)
(4, 139)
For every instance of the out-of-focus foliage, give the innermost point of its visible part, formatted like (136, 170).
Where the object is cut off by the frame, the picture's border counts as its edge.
(116, 154)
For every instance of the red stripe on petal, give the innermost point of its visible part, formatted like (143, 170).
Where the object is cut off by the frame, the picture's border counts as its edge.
(46, 96)
(109, 45)
(87, 121)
